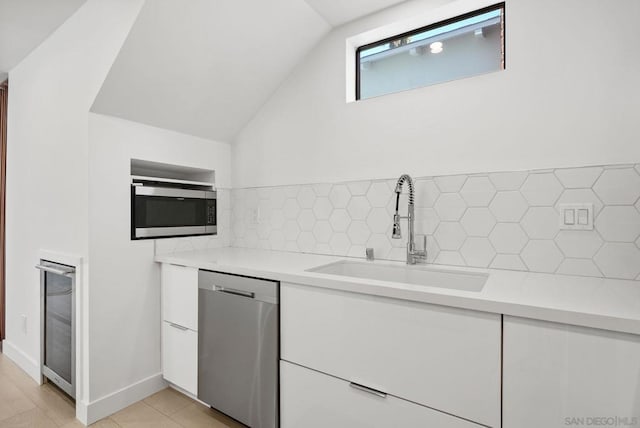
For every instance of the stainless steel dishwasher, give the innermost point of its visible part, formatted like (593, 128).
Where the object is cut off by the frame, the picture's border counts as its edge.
(238, 347)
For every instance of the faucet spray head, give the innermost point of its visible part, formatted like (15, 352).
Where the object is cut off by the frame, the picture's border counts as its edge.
(397, 232)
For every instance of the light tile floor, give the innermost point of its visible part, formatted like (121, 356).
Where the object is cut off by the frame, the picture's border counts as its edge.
(23, 403)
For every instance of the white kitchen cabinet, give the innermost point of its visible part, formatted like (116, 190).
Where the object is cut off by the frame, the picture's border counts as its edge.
(445, 358)
(180, 326)
(180, 295)
(558, 375)
(180, 356)
(311, 399)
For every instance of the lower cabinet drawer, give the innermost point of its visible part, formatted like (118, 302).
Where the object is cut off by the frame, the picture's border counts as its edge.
(440, 357)
(180, 356)
(312, 399)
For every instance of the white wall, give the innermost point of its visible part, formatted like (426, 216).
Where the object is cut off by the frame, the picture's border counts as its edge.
(124, 280)
(47, 187)
(568, 97)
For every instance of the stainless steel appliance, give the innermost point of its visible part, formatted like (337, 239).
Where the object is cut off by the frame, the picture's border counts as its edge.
(58, 326)
(238, 347)
(165, 210)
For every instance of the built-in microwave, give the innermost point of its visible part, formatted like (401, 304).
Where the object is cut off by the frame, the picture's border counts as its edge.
(167, 210)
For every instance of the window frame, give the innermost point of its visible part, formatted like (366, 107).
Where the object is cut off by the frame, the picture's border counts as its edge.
(496, 6)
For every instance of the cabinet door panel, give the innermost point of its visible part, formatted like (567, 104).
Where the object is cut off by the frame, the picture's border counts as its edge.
(314, 400)
(558, 375)
(441, 357)
(180, 295)
(180, 357)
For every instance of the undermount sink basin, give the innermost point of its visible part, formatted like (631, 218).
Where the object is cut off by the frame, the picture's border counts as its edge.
(416, 275)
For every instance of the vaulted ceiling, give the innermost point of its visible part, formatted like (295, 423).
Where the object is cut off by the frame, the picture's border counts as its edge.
(24, 24)
(205, 67)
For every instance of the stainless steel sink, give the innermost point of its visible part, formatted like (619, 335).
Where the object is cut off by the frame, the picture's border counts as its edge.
(416, 275)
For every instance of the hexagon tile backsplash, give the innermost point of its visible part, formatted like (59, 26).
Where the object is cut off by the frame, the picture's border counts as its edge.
(504, 220)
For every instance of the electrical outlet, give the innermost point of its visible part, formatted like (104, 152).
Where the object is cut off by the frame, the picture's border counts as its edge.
(576, 216)
(24, 324)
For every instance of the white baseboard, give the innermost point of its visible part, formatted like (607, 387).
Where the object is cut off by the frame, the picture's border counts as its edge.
(25, 362)
(118, 400)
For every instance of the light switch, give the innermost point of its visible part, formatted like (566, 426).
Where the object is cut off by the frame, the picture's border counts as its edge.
(583, 217)
(569, 216)
(576, 216)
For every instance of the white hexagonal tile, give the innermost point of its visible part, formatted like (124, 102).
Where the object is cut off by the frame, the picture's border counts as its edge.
(450, 236)
(277, 219)
(379, 220)
(379, 194)
(426, 193)
(306, 219)
(426, 221)
(291, 246)
(508, 206)
(322, 248)
(291, 230)
(619, 224)
(508, 180)
(578, 178)
(322, 189)
(638, 167)
(357, 251)
(508, 238)
(477, 252)
(306, 197)
(541, 223)
(541, 189)
(358, 188)
(358, 232)
(450, 258)
(251, 238)
(508, 261)
(358, 207)
(322, 208)
(638, 242)
(450, 207)
(339, 220)
(541, 256)
(277, 198)
(450, 183)
(380, 244)
(638, 205)
(580, 267)
(306, 242)
(580, 196)
(291, 209)
(398, 254)
(478, 222)
(618, 260)
(478, 191)
(618, 186)
(433, 249)
(579, 243)
(277, 240)
(339, 196)
(322, 231)
(340, 244)
(264, 229)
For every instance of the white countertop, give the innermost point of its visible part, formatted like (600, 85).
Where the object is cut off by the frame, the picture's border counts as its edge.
(608, 304)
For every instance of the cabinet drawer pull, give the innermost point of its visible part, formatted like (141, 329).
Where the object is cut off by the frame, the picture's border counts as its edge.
(179, 327)
(367, 389)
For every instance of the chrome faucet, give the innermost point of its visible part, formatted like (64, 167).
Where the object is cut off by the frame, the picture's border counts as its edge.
(413, 255)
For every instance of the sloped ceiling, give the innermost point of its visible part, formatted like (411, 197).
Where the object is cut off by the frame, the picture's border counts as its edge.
(338, 12)
(24, 24)
(205, 67)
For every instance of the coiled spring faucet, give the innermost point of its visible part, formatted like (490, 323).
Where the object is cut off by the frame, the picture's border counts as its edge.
(413, 255)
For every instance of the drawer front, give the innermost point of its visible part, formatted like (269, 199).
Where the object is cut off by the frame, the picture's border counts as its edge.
(559, 375)
(444, 358)
(180, 357)
(311, 399)
(180, 295)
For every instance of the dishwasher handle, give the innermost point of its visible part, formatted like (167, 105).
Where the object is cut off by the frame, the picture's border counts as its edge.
(249, 294)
